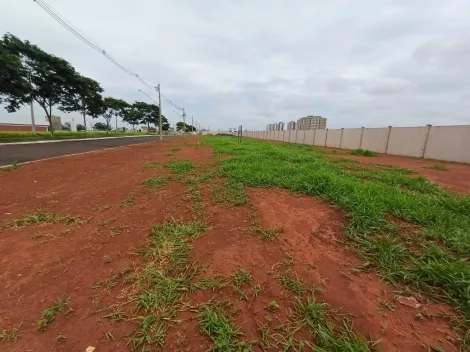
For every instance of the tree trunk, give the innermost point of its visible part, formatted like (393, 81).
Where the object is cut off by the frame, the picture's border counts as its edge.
(49, 117)
(84, 120)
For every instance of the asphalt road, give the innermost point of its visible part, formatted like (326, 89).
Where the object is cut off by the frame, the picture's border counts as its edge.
(37, 151)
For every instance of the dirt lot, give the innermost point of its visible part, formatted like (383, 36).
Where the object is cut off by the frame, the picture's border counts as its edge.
(111, 213)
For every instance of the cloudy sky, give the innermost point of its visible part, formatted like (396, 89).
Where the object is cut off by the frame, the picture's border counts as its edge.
(252, 62)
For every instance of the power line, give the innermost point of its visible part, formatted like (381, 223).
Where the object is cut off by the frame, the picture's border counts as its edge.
(80, 35)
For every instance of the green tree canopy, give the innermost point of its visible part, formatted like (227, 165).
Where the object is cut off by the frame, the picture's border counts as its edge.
(39, 76)
(181, 126)
(113, 108)
(100, 126)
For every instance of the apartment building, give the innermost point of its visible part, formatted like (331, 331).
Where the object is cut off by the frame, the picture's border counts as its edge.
(275, 126)
(291, 125)
(311, 123)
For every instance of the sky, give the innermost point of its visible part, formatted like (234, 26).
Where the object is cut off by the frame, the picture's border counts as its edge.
(254, 62)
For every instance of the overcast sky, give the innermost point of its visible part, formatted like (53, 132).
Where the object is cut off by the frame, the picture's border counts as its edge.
(253, 62)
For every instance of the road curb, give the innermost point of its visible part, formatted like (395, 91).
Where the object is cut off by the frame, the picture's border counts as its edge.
(75, 140)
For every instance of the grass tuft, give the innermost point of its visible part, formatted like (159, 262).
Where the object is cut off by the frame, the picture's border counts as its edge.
(156, 182)
(439, 167)
(11, 335)
(41, 216)
(48, 315)
(181, 167)
(363, 152)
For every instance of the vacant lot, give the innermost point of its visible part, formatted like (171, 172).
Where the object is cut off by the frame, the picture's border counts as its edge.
(205, 244)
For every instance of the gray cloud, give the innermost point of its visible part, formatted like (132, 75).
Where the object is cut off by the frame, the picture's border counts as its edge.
(254, 62)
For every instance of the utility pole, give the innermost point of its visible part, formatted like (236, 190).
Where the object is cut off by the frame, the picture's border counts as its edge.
(116, 123)
(33, 126)
(84, 120)
(192, 124)
(160, 111)
(184, 121)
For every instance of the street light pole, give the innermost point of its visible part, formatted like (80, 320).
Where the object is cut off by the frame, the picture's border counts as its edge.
(160, 111)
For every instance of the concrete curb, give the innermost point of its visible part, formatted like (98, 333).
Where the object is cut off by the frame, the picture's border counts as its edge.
(76, 140)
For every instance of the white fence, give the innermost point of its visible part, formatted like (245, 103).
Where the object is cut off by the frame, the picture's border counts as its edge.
(449, 143)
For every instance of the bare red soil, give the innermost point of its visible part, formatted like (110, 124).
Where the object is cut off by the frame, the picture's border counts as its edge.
(96, 186)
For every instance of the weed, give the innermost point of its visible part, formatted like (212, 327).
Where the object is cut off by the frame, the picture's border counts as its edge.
(272, 306)
(156, 182)
(363, 152)
(109, 336)
(181, 167)
(116, 314)
(169, 154)
(127, 203)
(384, 305)
(266, 339)
(266, 233)
(51, 236)
(311, 314)
(111, 282)
(159, 287)
(239, 279)
(293, 284)
(48, 315)
(174, 150)
(10, 335)
(107, 259)
(214, 283)
(229, 193)
(106, 223)
(11, 167)
(440, 167)
(42, 216)
(217, 325)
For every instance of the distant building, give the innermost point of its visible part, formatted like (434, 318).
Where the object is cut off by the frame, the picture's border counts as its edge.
(291, 125)
(311, 123)
(22, 127)
(280, 126)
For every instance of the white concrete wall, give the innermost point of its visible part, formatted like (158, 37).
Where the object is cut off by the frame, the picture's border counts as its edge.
(408, 141)
(320, 136)
(351, 138)
(292, 136)
(450, 143)
(300, 137)
(333, 138)
(375, 139)
(308, 137)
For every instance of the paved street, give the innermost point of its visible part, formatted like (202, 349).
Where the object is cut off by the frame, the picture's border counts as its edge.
(28, 152)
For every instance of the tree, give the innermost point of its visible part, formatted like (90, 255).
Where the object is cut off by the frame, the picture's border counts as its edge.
(100, 126)
(133, 115)
(67, 126)
(42, 77)
(14, 85)
(151, 115)
(84, 97)
(81, 127)
(180, 126)
(113, 108)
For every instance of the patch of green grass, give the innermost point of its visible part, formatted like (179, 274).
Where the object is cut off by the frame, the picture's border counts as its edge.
(363, 152)
(11, 167)
(439, 167)
(217, 325)
(311, 314)
(214, 283)
(438, 267)
(266, 233)
(49, 314)
(116, 314)
(160, 286)
(293, 284)
(41, 216)
(181, 167)
(239, 279)
(156, 182)
(229, 193)
(112, 281)
(10, 335)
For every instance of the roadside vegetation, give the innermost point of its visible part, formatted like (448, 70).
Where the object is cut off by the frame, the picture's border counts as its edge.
(434, 261)
(10, 137)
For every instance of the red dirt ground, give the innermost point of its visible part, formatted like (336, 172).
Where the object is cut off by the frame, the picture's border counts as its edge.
(33, 273)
